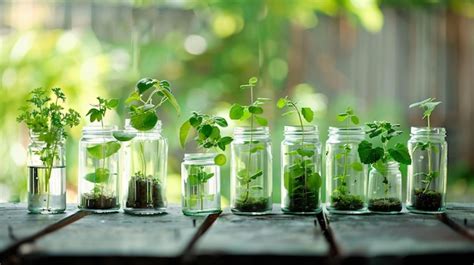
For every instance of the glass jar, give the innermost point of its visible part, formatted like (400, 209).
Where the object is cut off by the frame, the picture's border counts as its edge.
(346, 176)
(427, 175)
(145, 164)
(98, 170)
(200, 184)
(385, 189)
(301, 170)
(251, 171)
(46, 181)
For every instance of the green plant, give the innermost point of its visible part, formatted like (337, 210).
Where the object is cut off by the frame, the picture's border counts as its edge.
(300, 178)
(254, 112)
(48, 120)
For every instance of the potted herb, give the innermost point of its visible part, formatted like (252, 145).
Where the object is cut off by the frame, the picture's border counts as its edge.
(47, 121)
(99, 162)
(146, 152)
(251, 160)
(200, 172)
(346, 175)
(301, 162)
(385, 177)
(427, 175)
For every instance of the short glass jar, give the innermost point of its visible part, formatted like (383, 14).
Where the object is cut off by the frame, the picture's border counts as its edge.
(145, 169)
(427, 175)
(301, 170)
(346, 176)
(46, 180)
(385, 189)
(200, 184)
(98, 170)
(251, 171)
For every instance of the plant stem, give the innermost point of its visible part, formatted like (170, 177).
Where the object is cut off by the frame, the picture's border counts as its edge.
(250, 147)
(302, 146)
(430, 177)
(344, 173)
(142, 157)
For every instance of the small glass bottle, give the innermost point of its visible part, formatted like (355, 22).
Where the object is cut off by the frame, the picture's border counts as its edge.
(427, 175)
(98, 170)
(251, 171)
(46, 183)
(145, 164)
(385, 189)
(346, 176)
(200, 184)
(301, 170)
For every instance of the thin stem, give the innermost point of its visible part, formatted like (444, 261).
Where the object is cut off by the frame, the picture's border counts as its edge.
(250, 146)
(142, 157)
(302, 145)
(430, 178)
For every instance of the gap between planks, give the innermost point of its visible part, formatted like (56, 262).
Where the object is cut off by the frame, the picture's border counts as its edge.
(444, 218)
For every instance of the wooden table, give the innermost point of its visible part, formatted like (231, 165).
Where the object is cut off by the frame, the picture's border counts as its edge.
(82, 238)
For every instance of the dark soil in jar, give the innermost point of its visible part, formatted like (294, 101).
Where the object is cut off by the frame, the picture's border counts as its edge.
(429, 200)
(98, 201)
(304, 201)
(144, 192)
(347, 202)
(252, 205)
(385, 205)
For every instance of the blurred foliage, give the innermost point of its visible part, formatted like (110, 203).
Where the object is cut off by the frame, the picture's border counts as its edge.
(206, 49)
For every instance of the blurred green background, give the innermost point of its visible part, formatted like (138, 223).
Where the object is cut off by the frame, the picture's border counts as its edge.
(376, 56)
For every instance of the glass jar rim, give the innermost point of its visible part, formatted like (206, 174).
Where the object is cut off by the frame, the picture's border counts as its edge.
(391, 164)
(247, 130)
(128, 127)
(199, 156)
(298, 130)
(97, 129)
(440, 131)
(355, 130)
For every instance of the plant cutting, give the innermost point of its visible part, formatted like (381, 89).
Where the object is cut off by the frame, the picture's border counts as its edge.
(341, 197)
(199, 195)
(426, 197)
(100, 196)
(381, 159)
(148, 149)
(47, 121)
(300, 162)
(250, 168)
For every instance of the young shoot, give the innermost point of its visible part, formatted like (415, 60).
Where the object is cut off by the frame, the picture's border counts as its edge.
(348, 116)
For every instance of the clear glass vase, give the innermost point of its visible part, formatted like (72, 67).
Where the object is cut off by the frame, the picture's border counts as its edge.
(385, 189)
(46, 181)
(301, 170)
(346, 176)
(251, 171)
(427, 175)
(98, 170)
(144, 178)
(200, 185)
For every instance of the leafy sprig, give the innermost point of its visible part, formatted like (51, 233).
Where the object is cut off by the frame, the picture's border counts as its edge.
(348, 116)
(254, 111)
(428, 105)
(97, 112)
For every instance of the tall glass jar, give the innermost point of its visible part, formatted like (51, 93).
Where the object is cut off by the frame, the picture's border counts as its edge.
(427, 175)
(301, 170)
(200, 184)
(46, 182)
(251, 171)
(145, 167)
(98, 170)
(385, 189)
(346, 176)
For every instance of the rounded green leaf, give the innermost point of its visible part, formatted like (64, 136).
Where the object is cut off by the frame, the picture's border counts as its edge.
(400, 154)
(144, 84)
(183, 132)
(253, 80)
(216, 133)
(123, 136)
(255, 110)
(220, 159)
(236, 112)
(308, 114)
(99, 176)
(281, 103)
(113, 103)
(144, 121)
(261, 121)
(355, 120)
(221, 121)
(195, 121)
(101, 151)
(206, 130)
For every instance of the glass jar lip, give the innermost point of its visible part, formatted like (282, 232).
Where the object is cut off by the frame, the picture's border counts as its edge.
(128, 127)
(297, 130)
(199, 156)
(247, 130)
(97, 128)
(441, 131)
(34, 136)
(390, 165)
(354, 130)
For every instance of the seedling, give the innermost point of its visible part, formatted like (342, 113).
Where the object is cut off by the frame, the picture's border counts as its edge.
(246, 177)
(49, 120)
(301, 179)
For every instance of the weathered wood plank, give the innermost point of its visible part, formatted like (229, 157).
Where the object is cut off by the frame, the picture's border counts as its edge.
(462, 214)
(236, 239)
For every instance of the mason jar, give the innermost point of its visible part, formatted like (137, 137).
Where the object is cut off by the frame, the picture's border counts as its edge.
(427, 175)
(301, 170)
(346, 176)
(144, 178)
(98, 170)
(251, 171)
(46, 181)
(385, 189)
(200, 184)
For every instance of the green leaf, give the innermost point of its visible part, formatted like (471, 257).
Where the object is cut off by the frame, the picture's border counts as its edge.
(342, 117)
(100, 175)
(381, 167)
(216, 133)
(256, 149)
(134, 96)
(171, 99)
(305, 152)
(255, 110)
(369, 155)
(281, 103)
(253, 80)
(236, 112)
(144, 84)
(183, 133)
(400, 154)
(195, 121)
(112, 103)
(226, 140)
(262, 121)
(101, 151)
(357, 166)
(206, 130)
(288, 113)
(220, 159)
(256, 175)
(308, 114)
(220, 121)
(143, 121)
(355, 120)
(123, 136)
(315, 181)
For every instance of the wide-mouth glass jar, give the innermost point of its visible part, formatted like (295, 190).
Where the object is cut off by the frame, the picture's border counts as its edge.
(301, 170)
(200, 184)
(46, 179)
(427, 175)
(145, 169)
(346, 176)
(385, 189)
(98, 170)
(251, 171)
